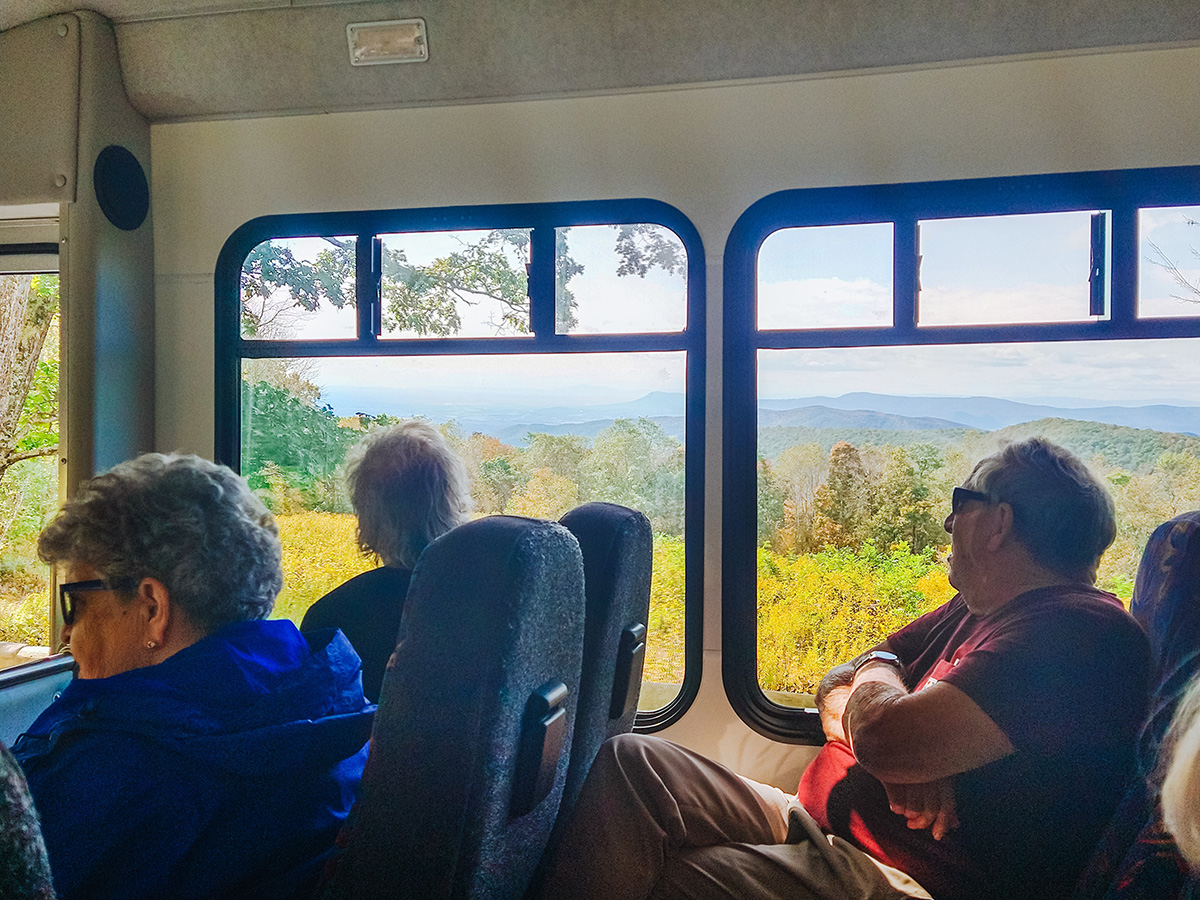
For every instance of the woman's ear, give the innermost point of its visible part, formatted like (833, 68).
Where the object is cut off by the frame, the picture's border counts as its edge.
(155, 601)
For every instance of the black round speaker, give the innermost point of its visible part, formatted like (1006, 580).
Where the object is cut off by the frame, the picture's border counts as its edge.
(121, 188)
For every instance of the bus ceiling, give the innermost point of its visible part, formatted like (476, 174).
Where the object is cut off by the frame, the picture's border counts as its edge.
(211, 59)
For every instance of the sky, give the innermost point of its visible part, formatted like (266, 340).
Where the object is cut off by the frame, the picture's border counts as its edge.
(980, 270)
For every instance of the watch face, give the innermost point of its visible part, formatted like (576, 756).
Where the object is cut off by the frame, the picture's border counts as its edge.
(879, 656)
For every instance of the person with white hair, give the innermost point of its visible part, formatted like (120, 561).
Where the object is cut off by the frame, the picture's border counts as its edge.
(1181, 786)
(408, 487)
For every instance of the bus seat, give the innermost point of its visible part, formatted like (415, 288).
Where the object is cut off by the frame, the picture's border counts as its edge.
(1137, 857)
(617, 547)
(471, 742)
(24, 869)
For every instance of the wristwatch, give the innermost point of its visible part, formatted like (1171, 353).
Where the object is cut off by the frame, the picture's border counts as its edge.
(879, 656)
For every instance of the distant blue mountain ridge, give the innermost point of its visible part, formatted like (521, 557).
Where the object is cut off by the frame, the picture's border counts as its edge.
(990, 413)
(510, 423)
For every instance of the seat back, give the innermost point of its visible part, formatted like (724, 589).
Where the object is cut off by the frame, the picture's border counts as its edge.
(24, 869)
(617, 547)
(471, 743)
(1137, 857)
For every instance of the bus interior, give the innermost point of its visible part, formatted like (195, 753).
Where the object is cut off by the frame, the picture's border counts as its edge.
(774, 273)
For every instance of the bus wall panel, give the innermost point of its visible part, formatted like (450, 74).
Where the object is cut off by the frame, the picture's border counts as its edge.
(39, 111)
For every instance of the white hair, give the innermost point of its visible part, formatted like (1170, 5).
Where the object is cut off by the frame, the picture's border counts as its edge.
(1181, 787)
(408, 488)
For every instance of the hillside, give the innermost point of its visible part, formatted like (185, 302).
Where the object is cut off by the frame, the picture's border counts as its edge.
(1131, 449)
(774, 440)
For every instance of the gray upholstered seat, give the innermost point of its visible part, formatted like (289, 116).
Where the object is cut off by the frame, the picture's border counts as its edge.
(617, 547)
(1137, 858)
(469, 754)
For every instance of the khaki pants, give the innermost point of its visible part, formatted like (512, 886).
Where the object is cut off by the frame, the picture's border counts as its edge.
(656, 820)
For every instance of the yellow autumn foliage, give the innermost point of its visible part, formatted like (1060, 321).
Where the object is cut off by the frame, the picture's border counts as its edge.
(820, 609)
(320, 551)
(814, 610)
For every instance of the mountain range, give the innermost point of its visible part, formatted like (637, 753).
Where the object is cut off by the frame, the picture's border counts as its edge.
(850, 411)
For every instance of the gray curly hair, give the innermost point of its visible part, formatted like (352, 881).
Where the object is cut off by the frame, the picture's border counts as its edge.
(408, 488)
(1062, 513)
(192, 524)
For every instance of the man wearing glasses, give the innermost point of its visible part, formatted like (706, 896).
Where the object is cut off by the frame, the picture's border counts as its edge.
(977, 753)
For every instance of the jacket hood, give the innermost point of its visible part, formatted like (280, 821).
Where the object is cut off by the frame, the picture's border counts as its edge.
(253, 698)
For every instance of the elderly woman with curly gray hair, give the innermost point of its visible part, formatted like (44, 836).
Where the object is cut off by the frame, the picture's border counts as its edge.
(202, 751)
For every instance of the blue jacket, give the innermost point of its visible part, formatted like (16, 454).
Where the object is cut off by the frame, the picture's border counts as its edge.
(224, 771)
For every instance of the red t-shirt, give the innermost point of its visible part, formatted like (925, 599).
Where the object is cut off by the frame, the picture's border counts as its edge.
(1064, 672)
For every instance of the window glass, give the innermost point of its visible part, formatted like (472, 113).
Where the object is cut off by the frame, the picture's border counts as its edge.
(619, 279)
(29, 348)
(299, 288)
(540, 434)
(988, 270)
(1169, 262)
(860, 448)
(456, 283)
(826, 276)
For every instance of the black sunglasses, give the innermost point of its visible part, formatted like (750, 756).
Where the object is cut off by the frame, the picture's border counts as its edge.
(963, 495)
(67, 592)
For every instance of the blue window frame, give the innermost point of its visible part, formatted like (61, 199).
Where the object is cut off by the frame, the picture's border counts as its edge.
(920, 235)
(368, 331)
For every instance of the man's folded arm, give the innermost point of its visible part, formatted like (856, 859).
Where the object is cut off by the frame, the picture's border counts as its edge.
(905, 738)
(834, 691)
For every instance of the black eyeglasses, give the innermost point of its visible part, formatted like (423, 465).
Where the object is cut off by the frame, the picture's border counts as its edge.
(963, 495)
(67, 592)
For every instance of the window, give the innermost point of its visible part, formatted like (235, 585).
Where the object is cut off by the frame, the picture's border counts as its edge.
(29, 375)
(558, 348)
(1056, 305)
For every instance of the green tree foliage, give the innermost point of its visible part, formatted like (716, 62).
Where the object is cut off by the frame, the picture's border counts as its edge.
(560, 453)
(910, 500)
(272, 267)
(635, 463)
(801, 470)
(770, 503)
(842, 504)
(427, 299)
(28, 368)
(1135, 450)
(291, 445)
(503, 477)
(29, 371)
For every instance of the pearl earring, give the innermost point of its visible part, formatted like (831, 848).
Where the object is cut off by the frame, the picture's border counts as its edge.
(150, 645)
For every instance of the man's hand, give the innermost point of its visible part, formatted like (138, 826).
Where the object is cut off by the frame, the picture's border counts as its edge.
(929, 805)
(832, 694)
(831, 707)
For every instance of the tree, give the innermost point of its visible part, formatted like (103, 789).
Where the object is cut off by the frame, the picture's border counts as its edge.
(770, 503)
(547, 495)
(800, 470)
(909, 509)
(503, 478)
(1191, 289)
(28, 377)
(843, 503)
(291, 444)
(425, 299)
(635, 463)
(561, 453)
